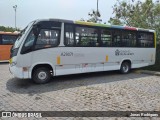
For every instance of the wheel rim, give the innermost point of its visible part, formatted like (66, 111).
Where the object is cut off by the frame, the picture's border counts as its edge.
(42, 75)
(125, 68)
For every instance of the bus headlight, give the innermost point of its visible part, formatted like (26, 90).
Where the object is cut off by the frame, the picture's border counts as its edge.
(12, 63)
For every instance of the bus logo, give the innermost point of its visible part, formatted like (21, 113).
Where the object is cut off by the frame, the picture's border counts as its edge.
(123, 52)
(117, 52)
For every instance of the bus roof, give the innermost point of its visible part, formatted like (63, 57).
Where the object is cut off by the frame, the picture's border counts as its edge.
(113, 26)
(99, 25)
(9, 33)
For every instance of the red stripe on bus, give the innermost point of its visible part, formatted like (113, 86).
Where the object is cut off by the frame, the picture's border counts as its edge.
(130, 28)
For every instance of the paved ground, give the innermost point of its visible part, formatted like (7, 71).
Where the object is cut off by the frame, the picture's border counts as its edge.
(86, 92)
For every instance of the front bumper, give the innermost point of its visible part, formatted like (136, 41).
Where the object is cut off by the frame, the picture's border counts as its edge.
(18, 72)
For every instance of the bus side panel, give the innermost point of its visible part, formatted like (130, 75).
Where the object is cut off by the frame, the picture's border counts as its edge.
(80, 60)
(72, 60)
(5, 52)
(86, 59)
(143, 57)
(45, 56)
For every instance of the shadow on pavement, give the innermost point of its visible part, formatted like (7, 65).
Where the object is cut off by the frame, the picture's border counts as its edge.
(26, 86)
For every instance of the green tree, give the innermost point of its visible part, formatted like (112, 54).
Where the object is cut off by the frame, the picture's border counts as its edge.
(138, 14)
(8, 29)
(94, 16)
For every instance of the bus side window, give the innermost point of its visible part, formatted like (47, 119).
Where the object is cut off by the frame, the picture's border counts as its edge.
(86, 36)
(116, 39)
(128, 39)
(145, 40)
(69, 35)
(106, 38)
(27, 47)
(30, 40)
(47, 38)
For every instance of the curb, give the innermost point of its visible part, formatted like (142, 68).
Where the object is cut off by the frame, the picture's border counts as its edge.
(148, 72)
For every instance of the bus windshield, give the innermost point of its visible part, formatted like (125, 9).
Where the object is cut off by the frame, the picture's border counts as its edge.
(20, 38)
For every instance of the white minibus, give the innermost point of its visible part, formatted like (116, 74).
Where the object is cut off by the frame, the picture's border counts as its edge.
(55, 47)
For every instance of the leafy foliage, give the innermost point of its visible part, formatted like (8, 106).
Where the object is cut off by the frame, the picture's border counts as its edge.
(94, 16)
(138, 14)
(8, 29)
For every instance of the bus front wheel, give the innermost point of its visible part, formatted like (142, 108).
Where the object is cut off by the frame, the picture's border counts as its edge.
(41, 75)
(125, 67)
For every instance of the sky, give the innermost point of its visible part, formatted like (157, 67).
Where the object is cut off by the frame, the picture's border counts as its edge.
(29, 10)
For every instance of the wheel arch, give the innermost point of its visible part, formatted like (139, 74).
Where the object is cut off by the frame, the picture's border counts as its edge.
(127, 60)
(47, 65)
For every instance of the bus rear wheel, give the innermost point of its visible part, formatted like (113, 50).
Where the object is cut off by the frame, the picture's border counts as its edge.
(41, 75)
(125, 67)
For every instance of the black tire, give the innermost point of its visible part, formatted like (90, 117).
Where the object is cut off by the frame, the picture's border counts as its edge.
(41, 75)
(125, 67)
